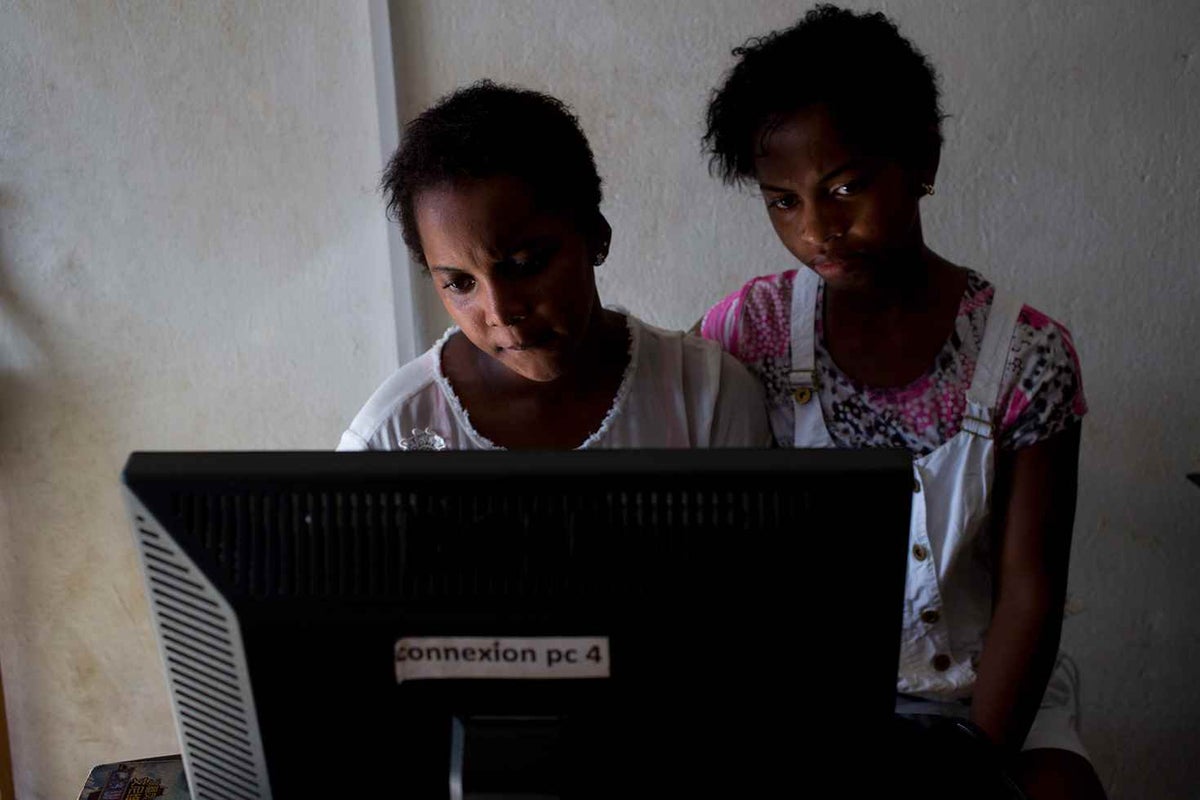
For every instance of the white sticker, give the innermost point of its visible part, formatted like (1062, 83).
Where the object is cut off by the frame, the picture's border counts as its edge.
(504, 657)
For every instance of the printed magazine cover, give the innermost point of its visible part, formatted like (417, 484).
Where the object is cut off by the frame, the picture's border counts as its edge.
(148, 778)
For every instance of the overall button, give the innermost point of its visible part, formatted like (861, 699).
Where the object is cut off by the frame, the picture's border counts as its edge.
(916, 486)
(941, 662)
(920, 553)
(802, 395)
(930, 616)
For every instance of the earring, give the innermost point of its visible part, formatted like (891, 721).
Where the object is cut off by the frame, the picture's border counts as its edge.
(600, 255)
(927, 188)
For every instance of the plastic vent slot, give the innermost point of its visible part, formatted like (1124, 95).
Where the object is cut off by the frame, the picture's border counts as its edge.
(201, 650)
(369, 545)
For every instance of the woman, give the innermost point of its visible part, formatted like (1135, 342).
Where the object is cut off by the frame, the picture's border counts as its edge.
(498, 197)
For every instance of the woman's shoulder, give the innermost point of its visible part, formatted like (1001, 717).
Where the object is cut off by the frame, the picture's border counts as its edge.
(697, 356)
(411, 398)
(720, 399)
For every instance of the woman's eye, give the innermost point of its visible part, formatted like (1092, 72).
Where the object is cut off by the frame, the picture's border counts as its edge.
(782, 203)
(529, 265)
(459, 285)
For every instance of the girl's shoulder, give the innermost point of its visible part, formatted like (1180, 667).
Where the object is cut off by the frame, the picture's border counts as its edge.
(1042, 389)
(754, 321)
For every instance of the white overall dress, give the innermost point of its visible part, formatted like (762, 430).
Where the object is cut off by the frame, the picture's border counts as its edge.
(948, 589)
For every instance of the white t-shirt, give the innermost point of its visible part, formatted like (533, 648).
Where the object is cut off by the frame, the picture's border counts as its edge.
(678, 391)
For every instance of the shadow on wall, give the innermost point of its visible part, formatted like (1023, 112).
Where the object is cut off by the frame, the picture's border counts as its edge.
(23, 353)
(409, 22)
(1155, 743)
(22, 345)
(6, 770)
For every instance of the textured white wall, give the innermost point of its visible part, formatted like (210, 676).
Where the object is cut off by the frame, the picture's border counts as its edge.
(1071, 172)
(192, 255)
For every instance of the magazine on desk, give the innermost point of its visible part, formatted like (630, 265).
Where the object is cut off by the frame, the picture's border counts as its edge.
(148, 778)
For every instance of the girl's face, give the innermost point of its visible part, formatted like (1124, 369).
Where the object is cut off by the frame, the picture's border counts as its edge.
(852, 218)
(517, 279)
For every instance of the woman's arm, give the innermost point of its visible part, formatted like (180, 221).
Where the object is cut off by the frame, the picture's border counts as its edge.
(739, 416)
(1035, 500)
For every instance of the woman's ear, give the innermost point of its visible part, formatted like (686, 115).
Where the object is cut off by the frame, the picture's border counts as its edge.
(601, 238)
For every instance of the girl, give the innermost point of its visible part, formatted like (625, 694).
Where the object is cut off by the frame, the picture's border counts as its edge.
(878, 341)
(498, 197)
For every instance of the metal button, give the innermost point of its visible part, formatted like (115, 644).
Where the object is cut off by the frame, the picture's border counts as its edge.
(941, 662)
(919, 552)
(916, 486)
(802, 394)
(930, 616)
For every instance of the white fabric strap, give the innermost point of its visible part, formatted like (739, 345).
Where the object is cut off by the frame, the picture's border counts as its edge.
(804, 309)
(983, 397)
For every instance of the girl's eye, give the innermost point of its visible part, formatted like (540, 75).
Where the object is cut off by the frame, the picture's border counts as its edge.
(783, 203)
(848, 189)
(460, 284)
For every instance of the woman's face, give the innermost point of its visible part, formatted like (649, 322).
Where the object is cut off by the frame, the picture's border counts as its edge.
(516, 278)
(850, 217)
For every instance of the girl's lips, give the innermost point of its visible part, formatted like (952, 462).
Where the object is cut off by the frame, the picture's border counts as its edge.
(831, 265)
(838, 263)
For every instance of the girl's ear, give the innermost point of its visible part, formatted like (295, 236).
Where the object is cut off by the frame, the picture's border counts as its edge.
(927, 164)
(600, 239)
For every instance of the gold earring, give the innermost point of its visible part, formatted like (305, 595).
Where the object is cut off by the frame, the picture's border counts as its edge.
(927, 188)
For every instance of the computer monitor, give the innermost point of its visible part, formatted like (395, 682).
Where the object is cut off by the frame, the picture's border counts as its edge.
(505, 624)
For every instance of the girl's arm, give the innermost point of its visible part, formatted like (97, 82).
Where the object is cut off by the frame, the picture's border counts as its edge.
(1035, 498)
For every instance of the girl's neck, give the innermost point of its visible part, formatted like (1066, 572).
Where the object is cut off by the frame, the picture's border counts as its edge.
(890, 335)
(911, 283)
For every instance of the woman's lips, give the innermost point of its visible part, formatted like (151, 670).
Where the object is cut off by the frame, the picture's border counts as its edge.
(529, 343)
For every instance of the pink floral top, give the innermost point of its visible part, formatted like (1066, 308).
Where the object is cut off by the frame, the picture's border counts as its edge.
(1042, 389)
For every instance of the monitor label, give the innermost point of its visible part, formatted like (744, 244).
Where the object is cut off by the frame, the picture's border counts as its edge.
(504, 657)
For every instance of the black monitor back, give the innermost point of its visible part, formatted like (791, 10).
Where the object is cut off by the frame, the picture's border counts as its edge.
(749, 601)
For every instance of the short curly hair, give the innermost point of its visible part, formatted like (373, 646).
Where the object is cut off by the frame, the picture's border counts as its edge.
(486, 130)
(881, 91)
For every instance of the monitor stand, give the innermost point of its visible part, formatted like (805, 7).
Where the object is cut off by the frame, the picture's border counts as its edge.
(506, 758)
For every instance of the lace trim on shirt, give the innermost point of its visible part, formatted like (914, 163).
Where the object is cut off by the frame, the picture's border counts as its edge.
(464, 416)
(635, 341)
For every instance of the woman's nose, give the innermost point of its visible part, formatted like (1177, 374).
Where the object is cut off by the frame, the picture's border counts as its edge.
(506, 305)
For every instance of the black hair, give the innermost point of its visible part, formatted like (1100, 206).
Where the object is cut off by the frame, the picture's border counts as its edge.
(486, 130)
(880, 90)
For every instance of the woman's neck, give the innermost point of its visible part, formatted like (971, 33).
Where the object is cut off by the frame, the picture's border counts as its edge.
(603, 350)
(516, 412)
